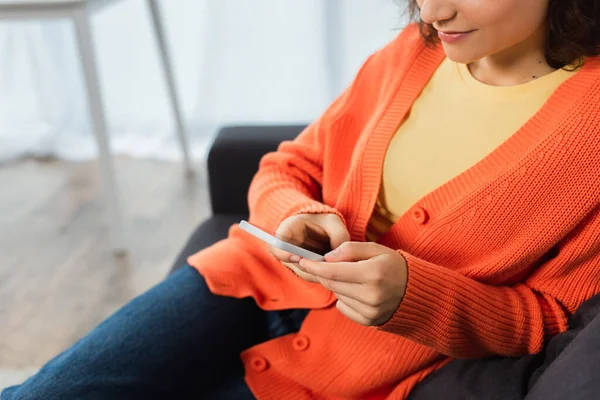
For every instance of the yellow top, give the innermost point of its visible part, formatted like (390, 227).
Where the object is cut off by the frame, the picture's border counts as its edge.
(455, 122)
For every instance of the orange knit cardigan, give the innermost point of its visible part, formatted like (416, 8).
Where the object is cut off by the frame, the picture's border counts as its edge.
(498, 257)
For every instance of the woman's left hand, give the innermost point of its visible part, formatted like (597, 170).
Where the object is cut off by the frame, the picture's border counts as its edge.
(368, 279)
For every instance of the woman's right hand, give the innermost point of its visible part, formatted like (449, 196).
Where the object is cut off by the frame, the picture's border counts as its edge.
(325, 231)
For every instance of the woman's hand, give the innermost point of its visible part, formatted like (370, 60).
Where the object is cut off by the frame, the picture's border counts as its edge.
(368, 279)
(322, 231)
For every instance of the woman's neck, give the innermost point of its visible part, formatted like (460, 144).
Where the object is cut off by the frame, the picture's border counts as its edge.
(516, 65)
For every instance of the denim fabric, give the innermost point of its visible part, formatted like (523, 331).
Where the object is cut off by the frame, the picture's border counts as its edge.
(176, 341)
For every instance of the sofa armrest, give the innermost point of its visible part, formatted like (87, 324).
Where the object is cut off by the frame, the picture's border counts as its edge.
(233, 160)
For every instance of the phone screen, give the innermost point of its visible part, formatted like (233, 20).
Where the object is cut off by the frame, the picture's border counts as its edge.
(315, 239)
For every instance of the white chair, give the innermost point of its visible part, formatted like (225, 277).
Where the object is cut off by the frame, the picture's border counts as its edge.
(79, 12)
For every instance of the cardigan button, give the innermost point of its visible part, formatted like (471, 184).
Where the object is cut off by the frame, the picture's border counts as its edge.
(420, 215)
(300, 343)
(259, 364)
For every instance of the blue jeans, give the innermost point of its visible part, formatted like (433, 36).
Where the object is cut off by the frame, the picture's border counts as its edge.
(176, 341)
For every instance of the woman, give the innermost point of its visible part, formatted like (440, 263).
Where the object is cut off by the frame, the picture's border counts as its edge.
(457, 180)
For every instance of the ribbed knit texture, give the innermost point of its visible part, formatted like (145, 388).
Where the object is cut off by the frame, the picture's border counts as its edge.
(510, 247)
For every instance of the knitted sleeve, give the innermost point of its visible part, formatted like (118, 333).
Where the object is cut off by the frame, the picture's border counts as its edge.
(464, 318)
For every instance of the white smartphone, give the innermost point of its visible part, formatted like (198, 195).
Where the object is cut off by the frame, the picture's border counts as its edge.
(281, 243)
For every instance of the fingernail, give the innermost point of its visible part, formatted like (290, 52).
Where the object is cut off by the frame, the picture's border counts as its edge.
(295, 259)
(301, 263)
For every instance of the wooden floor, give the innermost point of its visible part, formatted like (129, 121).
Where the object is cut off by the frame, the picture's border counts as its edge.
(58, 277)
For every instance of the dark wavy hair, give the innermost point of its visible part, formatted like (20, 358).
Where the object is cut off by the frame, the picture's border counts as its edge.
(573, 31)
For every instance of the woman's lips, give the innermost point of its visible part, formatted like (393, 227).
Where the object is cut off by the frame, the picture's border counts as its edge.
(453, 37)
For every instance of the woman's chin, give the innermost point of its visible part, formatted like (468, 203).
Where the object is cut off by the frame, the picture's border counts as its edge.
(460, 55)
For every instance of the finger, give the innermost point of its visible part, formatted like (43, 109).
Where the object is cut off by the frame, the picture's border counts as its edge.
(307, 277)
(350, 313)
(356, 251)
(281, 255)
(336, 230)
(353, 290)
(316, 233)
(356, 291)
(369, 313)
(339, 272)
(290, 228)
(304, 234)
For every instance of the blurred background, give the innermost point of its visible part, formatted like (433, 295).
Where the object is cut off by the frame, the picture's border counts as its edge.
(233, 62)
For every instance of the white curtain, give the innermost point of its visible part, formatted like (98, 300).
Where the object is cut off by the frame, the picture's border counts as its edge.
(235, 61)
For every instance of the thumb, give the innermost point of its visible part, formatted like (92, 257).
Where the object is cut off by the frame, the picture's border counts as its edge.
(336, 230)
(356, 251)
